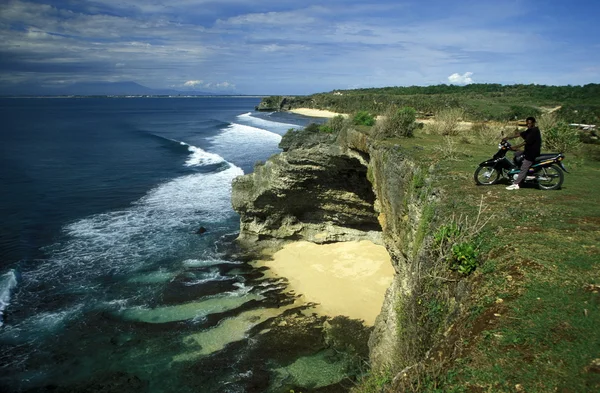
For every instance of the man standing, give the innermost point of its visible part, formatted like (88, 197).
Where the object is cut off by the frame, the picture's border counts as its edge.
(533, 146)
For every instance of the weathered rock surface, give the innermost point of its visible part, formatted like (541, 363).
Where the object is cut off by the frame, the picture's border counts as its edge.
(352, 188)
(320, 194)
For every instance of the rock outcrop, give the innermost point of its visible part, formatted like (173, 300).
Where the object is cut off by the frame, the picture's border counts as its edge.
(352, 188)
(320, 194)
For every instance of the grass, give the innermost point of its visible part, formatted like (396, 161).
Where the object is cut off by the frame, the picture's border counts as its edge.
(534, 314)
(532, 319)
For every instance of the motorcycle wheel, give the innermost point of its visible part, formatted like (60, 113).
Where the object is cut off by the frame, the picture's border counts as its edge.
(550, 178)
(486, 175)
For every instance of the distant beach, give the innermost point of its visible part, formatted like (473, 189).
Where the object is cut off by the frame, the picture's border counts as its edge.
(316, 112)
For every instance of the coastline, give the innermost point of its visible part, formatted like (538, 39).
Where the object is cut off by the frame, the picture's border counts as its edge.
(316, 113)
(345, 278)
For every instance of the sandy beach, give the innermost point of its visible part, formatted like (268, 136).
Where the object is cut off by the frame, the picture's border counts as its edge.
(347, 278)
(316, 113)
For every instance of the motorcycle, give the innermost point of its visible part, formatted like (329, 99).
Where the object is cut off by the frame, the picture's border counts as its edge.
(546, 171)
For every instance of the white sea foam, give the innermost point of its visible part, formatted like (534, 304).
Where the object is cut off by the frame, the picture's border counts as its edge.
(243, 135)
(213, 275)
(200, 157)
(242, 143)
(8, 282)
(153, 227)
(206, 262)
(48, 323)
(279, 128)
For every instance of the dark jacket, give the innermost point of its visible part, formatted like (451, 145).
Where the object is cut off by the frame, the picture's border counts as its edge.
(533, 143)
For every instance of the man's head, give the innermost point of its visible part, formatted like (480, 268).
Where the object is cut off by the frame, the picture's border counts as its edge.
(530, 122)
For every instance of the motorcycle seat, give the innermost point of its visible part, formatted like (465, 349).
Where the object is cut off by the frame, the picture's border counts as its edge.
(546, 156)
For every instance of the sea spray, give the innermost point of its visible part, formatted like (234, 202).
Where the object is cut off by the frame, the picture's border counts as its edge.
(8, 282)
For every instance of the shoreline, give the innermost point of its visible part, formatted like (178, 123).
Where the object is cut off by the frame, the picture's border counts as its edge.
(316, 113)
(345, 278)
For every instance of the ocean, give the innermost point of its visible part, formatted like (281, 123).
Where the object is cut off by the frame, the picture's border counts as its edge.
(105, 282)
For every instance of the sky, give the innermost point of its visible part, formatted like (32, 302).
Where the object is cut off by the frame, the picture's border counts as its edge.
(297, 47)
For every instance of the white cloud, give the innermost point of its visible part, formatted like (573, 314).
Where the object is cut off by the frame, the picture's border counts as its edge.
(464, 79)
(193, 83)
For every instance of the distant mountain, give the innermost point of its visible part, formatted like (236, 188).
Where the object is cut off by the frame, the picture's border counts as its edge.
(95, 88)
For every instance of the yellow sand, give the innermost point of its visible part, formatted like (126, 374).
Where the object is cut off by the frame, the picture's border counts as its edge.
(316, 112)
(347, 278)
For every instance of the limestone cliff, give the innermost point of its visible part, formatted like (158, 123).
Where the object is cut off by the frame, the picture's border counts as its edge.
(319, 193)
(350, 188)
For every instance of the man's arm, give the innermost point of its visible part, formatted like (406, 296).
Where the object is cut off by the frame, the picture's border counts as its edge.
(516, 135)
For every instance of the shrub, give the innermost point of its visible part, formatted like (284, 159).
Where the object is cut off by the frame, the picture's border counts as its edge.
(485, 132)
(446, 234)
(561, 138)
(447, 120)
(397, 122)
(337, 123)
(363, 118)
(448, 150)
(547, 121)
(326, 128)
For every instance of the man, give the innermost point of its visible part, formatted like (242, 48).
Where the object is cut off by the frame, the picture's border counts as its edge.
(533, 146)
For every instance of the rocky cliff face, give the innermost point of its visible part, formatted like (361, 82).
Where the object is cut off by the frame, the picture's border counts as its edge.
(320, 194)
(351, 188)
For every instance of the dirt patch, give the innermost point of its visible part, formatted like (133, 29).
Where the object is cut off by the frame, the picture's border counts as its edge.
(584, 222)
(526, 352)
(563, 332)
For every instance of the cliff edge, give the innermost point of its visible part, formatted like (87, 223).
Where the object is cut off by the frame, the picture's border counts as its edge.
(355, 187)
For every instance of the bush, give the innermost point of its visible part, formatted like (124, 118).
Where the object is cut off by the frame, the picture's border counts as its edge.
(311, 135)
(336, 123)
(547, 121)
(486, 133)
(363, 118)
(447, 120)
(561, 138)
(397, 122)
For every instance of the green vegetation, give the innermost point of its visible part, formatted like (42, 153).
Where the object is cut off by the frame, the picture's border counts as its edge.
(579, 104)
(447, 121)
(527, 316)
(464, 258)
(534, 306)
(397, 123)
(561, 138)
(363, 118)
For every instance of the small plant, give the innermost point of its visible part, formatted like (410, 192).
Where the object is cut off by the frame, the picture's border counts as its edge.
(464, 258)
(448, 150)
(363, 118)
(446, 234)
(326, 129)
(374, 382)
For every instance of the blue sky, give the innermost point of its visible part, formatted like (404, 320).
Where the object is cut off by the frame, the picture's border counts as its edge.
(298, 47)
